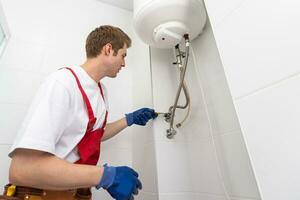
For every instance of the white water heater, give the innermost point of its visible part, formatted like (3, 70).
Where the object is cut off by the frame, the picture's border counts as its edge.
(162, 23)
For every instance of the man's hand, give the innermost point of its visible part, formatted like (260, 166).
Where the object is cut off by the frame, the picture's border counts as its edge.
(140, 117)
(120, 182)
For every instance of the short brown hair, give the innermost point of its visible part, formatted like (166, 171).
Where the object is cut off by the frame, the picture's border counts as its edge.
(103, 35)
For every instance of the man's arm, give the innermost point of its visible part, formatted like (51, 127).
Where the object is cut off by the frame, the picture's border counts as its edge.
(139, 117)
(114, 128)
(39, 169)
(42, 170)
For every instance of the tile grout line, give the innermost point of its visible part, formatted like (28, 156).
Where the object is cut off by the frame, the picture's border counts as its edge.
(229, 13)
(268, 86)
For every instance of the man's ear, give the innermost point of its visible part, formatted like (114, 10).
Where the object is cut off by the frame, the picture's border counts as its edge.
(107, 49)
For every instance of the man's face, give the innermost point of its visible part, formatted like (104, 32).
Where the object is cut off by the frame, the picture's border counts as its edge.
(117, 61)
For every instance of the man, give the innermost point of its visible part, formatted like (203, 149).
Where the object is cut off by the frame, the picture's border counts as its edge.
(58, 145)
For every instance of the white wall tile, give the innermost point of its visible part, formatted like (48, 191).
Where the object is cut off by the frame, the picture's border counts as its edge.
(143, 134)
(269, 121)
(189, 196)
(260, 59)
(203, 167)
(101, 194)
(144, 162)
(141, 89)
(48, 18)
(4, 163)
(115, 156)
(121, 140)
(120, 93)
(21, 54)
(218, 10)
(262, 46)
(173, 172)
(236, 167)
(27, 24)
(196, 125)
(164, 78)
(143, 159)
(18, 86)
(146, 196)
(176, 196)
(209, 197)
(64, 57)
(211, 78)
(11, 118)
(222, 116)
(242, 198)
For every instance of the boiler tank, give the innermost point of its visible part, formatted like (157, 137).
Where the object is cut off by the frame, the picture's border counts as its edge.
(162, 23)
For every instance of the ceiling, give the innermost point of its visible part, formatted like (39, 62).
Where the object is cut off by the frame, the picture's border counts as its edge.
(125, 4)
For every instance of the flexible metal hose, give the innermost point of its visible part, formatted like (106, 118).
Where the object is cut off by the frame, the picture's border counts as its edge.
(171, 131)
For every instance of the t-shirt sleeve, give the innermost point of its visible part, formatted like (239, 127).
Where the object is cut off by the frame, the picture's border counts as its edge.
(48, 116)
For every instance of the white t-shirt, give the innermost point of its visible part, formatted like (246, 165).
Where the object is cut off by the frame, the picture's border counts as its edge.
(57, 118)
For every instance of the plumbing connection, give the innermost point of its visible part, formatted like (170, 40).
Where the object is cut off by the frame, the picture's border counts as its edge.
(170, 115)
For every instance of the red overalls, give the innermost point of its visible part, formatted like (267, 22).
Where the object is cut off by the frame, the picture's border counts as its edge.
(89, 152)
(89, 146)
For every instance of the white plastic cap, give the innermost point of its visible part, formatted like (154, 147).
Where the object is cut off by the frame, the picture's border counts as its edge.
(170, 33)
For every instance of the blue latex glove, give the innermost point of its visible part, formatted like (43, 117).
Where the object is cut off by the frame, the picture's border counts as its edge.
(140, 117)
(120, 182)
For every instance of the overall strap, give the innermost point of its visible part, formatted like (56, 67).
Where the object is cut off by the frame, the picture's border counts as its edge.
(92, 118)
(101, 91)
(106, 113)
